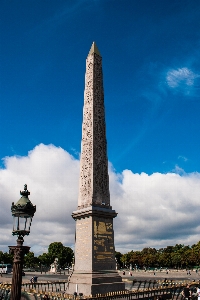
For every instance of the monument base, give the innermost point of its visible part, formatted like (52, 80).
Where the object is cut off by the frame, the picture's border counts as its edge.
(95, 283)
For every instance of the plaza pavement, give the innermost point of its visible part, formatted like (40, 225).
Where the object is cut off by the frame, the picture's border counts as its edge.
(174, 275)
(180, 275)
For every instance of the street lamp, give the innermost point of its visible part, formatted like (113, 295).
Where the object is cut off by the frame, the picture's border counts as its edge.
(22, 212)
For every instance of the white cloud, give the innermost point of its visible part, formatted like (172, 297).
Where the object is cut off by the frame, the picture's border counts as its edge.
(153, 210)
(157, 210)
(183, 158)
(51, 174)
(181, 77)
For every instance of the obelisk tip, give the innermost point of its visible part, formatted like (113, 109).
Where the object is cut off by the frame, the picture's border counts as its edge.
(94, 49)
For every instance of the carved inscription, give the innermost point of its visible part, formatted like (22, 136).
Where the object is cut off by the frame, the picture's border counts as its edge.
(103, 240)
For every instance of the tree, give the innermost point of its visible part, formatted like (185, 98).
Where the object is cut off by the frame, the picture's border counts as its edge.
(6, 258)
(30, 260)
(165, 259)
(196, 252)
(1, 257)
(124, 259)
(135, 258)
(118, 256)
(149, 257)
(45, 260)
(64, 254)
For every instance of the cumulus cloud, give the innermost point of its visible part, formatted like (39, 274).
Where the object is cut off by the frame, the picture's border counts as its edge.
(182, 77)
(157, 210)
(51, 174)
(153, 210)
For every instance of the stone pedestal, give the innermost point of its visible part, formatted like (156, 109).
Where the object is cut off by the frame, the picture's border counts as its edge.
(95, 283)
(95, 266)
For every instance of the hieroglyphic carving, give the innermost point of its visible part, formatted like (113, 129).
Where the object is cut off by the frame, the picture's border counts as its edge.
(94, 180)
(103, 241)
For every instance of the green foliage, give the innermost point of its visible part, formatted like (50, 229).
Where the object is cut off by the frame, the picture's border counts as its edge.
(118, 257)
(30, 261)
(6, 257)
(64, 254)
(44, 260)
(178, 256)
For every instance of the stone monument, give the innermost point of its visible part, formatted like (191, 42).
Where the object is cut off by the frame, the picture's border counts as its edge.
(54, 266)
(95, 265)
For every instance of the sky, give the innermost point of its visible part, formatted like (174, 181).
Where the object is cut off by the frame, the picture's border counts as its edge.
(151, 70)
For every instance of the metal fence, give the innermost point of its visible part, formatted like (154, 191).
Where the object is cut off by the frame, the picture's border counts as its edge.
(51, 286)
(56, 291)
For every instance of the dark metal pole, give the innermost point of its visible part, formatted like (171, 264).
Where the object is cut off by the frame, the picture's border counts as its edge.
(18, 252)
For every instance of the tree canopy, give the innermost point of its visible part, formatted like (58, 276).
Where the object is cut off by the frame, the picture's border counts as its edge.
(178, 256)
(55, 250)
(64, 254)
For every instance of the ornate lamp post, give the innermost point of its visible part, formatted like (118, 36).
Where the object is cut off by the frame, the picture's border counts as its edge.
(22, 212)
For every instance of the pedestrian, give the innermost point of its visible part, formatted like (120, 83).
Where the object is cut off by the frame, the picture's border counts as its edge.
(194, 295)
(198, 292)
(32, 279)
(186, 293)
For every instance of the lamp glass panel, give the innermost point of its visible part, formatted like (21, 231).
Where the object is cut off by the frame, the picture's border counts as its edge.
(15, 223)
(27, 224)
(21, 223)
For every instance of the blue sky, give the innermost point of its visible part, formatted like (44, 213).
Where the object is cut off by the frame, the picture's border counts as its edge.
(151, 66)
(152, 122)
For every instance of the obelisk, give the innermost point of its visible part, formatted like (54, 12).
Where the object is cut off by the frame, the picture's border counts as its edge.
(95, 266)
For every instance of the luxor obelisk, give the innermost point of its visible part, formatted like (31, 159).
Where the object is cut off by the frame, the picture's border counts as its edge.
(95, 266)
